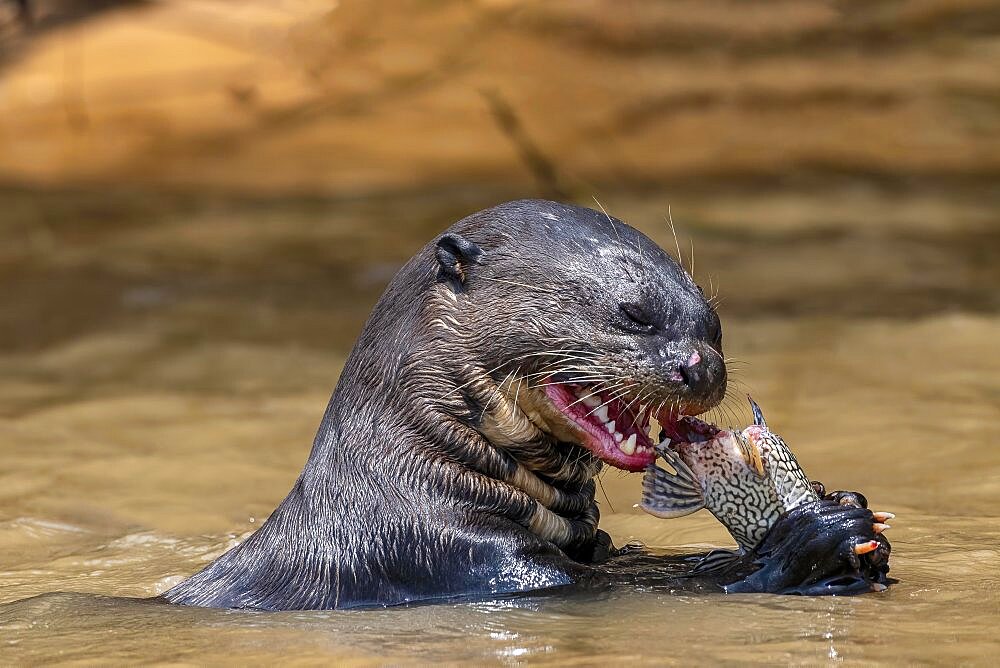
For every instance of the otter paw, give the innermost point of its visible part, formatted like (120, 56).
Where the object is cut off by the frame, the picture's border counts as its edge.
(822, 548)
(857, 500)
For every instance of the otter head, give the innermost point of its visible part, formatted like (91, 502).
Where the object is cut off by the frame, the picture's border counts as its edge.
(582, 330)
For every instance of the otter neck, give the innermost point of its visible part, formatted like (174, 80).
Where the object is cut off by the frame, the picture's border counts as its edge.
(499, 439)
(505, 444)
(389, 416)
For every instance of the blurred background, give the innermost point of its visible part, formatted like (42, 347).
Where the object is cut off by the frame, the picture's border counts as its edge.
(201, 200)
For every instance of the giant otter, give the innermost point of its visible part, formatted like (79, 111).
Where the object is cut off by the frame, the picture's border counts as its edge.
(504, 364)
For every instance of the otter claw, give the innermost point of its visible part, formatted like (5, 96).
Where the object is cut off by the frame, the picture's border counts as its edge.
(878, 587)
(882, 517)
(880, 527)
(866, 547)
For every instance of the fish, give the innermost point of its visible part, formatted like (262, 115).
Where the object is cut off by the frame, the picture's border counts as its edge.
(747, 479)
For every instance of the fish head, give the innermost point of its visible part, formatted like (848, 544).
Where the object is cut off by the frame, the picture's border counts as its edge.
(745, 478)
(718, 458)
(790, 483)
(716, 469)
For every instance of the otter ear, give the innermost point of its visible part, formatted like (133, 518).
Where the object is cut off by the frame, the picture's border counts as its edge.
(454, 254)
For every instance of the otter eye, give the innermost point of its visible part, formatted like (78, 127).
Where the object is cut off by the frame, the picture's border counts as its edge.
(638, 317)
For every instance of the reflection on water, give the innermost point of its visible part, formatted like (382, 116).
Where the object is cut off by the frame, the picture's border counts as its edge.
(164, 367)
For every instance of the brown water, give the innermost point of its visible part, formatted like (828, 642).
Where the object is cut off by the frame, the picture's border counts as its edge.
(165, 360)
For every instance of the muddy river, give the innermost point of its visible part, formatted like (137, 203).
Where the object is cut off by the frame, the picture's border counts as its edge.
(165, 360)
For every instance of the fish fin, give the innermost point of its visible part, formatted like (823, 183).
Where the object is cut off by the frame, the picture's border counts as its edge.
(666, 494)
(758, 414)
(716, 560)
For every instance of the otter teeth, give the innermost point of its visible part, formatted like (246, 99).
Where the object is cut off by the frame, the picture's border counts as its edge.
(591, 401)
(628, 445)
(601, 413)
(610, 426)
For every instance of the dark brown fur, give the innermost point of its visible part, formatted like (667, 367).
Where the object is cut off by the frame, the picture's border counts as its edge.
(436, 471)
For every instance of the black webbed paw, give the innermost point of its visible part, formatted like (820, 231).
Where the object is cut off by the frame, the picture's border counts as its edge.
(830, 546)
(856, 499)
(845, 498)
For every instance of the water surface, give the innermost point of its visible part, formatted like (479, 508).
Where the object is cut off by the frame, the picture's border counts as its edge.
(165, 360)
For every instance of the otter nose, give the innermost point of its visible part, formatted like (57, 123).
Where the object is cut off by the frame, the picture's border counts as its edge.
(694, 372)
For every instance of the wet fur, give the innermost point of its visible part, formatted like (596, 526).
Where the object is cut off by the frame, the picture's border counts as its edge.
(427, 478)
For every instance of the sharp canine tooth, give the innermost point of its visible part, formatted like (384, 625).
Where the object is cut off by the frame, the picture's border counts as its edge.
(592, 401)
(628, 445)
(610, 426)
(602, 413)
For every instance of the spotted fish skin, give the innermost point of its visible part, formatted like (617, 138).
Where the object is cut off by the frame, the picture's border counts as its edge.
(746, 479)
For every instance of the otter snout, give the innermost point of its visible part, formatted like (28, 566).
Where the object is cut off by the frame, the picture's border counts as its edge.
(701, 372)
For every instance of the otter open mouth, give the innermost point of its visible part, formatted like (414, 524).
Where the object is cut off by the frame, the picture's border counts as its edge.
(687, 429)
(616, 429)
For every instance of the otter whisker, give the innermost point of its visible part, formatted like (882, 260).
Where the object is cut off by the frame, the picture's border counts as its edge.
(620, 392)
(677, 244)
(562, 358)
(604, 492)
(568, 360)
(577, 354)
(659, 408)
(594, 382)
(726, 405)
(569, 367)
(629, 404)
(610, 219)
(596, 393)
(713, 289)
(574, 364)
(475, 379)
(603, 386)
(691, 239)
(496, 393)
(566, 350)
(643, 392)
(638, 245)
(516, 394)
(577, 374)
(555, 382)
(556, 351)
